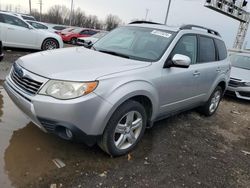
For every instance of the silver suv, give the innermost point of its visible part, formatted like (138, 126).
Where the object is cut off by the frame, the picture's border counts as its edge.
(134, 76)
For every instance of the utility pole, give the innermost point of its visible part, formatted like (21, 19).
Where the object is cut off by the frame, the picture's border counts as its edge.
(147, 10)
(166, 19)
(30, 5)
(71, 12)
(41, 8)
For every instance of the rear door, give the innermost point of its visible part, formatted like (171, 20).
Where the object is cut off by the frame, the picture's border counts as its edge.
(207, 65)
(18, 33)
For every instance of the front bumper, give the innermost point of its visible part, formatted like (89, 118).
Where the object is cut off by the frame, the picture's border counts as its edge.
(82, 115)
(239, 92)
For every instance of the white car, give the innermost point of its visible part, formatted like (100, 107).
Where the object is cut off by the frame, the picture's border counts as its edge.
(18, 33)
(40, 25)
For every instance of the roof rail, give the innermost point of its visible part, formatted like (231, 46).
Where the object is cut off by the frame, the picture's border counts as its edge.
(211, 31)
(144, 22)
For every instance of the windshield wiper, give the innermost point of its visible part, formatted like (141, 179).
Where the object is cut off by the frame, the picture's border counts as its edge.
(114, 53)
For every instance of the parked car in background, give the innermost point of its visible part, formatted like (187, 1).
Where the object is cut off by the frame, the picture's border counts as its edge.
(23, 16)
(40, 25)
(27, 17)
(239, 84)
(132, 77)
(66, 31)
(87, 41)
(16, 32)
(71, 37)
(59, 27)
(1, 51)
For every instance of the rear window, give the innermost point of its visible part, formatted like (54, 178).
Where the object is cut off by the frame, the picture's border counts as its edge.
(222, 50)
(206, 50)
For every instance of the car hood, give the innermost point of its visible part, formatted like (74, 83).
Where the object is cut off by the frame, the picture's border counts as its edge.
(77, 64)
(242, 74)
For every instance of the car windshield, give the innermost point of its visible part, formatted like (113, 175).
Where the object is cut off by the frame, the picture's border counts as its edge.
(99, 35)
(240, 61)
(144, 44)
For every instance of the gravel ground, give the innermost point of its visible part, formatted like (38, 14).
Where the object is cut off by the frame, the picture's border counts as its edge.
(187, 150)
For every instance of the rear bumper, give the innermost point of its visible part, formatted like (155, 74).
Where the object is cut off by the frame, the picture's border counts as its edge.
(239, 92)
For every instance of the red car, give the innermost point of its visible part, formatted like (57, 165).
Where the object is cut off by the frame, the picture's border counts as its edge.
(72, 36)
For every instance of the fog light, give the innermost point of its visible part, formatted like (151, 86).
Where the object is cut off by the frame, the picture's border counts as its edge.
(69, 133)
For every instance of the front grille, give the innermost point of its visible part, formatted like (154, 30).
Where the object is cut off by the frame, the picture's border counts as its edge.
(236, 83)
(244, 93)
(27, 84)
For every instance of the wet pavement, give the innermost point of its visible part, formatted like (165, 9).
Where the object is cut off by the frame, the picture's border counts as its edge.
(187, 150)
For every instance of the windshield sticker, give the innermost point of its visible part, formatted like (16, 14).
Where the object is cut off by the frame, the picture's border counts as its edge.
(161, 33)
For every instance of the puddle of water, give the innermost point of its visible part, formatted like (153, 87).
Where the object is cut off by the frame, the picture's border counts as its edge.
(11, 119)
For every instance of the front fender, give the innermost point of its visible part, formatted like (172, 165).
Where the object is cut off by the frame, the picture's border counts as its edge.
(122, 93)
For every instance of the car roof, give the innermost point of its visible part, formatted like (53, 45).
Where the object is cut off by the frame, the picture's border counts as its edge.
(156, 26)
(196, 29)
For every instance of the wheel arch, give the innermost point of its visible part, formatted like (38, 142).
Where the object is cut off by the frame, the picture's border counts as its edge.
(51, 38)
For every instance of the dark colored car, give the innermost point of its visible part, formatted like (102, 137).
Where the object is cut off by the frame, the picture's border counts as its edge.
(1, 51)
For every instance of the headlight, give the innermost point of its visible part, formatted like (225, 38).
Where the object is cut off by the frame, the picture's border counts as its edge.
(247, 83)
(67, 90)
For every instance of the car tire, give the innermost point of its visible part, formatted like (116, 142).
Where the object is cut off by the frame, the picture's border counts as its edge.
(124, 129)
(212, 104)
(73, 41)
(50, 44)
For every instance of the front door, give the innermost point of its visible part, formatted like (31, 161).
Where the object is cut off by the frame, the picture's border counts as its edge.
(178, 88)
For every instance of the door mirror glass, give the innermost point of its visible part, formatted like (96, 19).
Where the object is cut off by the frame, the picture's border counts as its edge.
(181, 61)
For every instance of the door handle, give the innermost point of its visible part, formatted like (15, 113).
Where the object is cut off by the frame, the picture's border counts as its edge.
(11, 29)
(218, 69)
(196, 73)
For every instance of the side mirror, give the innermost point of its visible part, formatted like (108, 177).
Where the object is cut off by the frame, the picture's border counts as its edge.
(182, 61)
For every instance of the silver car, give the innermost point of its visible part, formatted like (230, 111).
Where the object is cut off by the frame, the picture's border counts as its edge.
(239, 84)
(129, 79)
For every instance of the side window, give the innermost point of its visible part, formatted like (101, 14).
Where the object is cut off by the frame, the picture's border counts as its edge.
(187, 45)
(222, 50)
(14, 21)
(91, 32)
(207, 50)
(1, 18)
(85, 32)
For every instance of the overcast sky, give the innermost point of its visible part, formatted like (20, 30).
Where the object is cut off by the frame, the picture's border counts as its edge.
(181, 12)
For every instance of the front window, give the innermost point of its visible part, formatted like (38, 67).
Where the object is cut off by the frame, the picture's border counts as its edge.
(144, 44)
(240, 61)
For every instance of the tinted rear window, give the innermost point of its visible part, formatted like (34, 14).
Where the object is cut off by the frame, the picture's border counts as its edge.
(207, 50)
(222, 50)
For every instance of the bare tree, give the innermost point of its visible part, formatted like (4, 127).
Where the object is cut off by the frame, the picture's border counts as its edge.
(112, 22)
